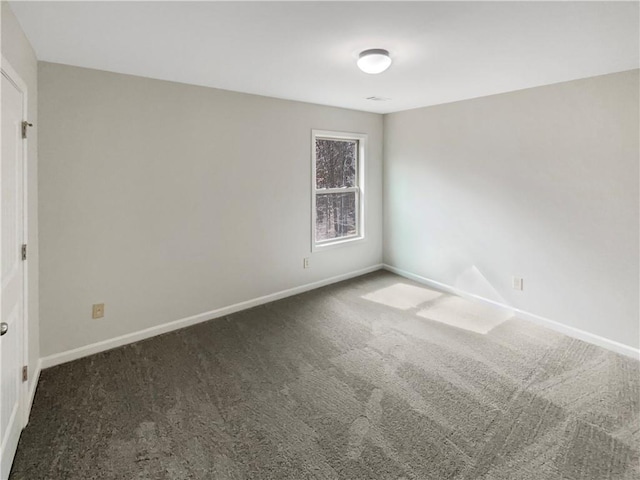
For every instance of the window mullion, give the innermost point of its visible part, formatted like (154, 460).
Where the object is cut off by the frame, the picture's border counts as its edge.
(326, 191)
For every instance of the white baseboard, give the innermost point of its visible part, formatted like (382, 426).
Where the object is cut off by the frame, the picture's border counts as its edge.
(545, 322)
(87, 350)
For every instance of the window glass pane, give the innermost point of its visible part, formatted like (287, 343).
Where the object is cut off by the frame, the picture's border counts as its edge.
(335, 215)
(336, 162)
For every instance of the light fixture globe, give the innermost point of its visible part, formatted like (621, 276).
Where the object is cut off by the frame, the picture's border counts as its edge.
(375, 60)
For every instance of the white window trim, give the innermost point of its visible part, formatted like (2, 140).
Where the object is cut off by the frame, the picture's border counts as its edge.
(359, 189)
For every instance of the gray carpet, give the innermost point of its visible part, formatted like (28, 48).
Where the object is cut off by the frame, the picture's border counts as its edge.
(331, 385)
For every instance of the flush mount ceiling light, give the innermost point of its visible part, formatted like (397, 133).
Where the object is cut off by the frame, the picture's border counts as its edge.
(375, 60)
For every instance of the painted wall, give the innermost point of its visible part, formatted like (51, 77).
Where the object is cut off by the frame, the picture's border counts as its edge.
(17, 50)
(540, 184)
(165, 200)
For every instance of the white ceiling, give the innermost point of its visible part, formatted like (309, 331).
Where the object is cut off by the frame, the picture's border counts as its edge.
(442, 51)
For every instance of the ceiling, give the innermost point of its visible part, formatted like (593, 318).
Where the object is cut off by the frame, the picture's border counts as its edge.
(442, 51)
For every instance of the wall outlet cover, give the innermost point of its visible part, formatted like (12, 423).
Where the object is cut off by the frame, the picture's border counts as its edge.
(98, 310)
(518, 283)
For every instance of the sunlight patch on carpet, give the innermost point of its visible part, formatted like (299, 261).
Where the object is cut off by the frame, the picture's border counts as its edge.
(461, 313)
(402, 296)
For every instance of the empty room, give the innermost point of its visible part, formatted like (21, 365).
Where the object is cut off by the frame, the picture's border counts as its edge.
(320, 240)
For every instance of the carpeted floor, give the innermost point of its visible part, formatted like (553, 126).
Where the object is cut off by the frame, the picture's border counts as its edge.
(351, 381)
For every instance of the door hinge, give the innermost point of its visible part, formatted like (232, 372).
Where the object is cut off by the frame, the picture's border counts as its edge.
(25, 373)
(24, 251)
(25, 125)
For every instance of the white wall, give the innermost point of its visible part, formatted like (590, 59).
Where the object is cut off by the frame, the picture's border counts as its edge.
(165, 200)
(17, 50)
(540, 184)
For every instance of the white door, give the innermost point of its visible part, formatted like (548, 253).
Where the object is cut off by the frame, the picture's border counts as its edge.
(12, 293)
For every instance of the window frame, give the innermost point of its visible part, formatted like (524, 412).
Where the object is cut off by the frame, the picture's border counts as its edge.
(359, 189)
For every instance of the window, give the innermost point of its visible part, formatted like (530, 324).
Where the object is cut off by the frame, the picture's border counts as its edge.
(338, 187)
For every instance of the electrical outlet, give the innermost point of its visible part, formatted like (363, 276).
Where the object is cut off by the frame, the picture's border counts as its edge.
(305, 262)
(518, 283)
(98, 310)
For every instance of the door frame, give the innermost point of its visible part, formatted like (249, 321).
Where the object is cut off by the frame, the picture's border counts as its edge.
(10, 74)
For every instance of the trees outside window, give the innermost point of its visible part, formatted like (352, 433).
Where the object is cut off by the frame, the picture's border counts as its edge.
(337, 187)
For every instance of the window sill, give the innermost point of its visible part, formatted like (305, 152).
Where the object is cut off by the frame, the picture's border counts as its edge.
(320, 247)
